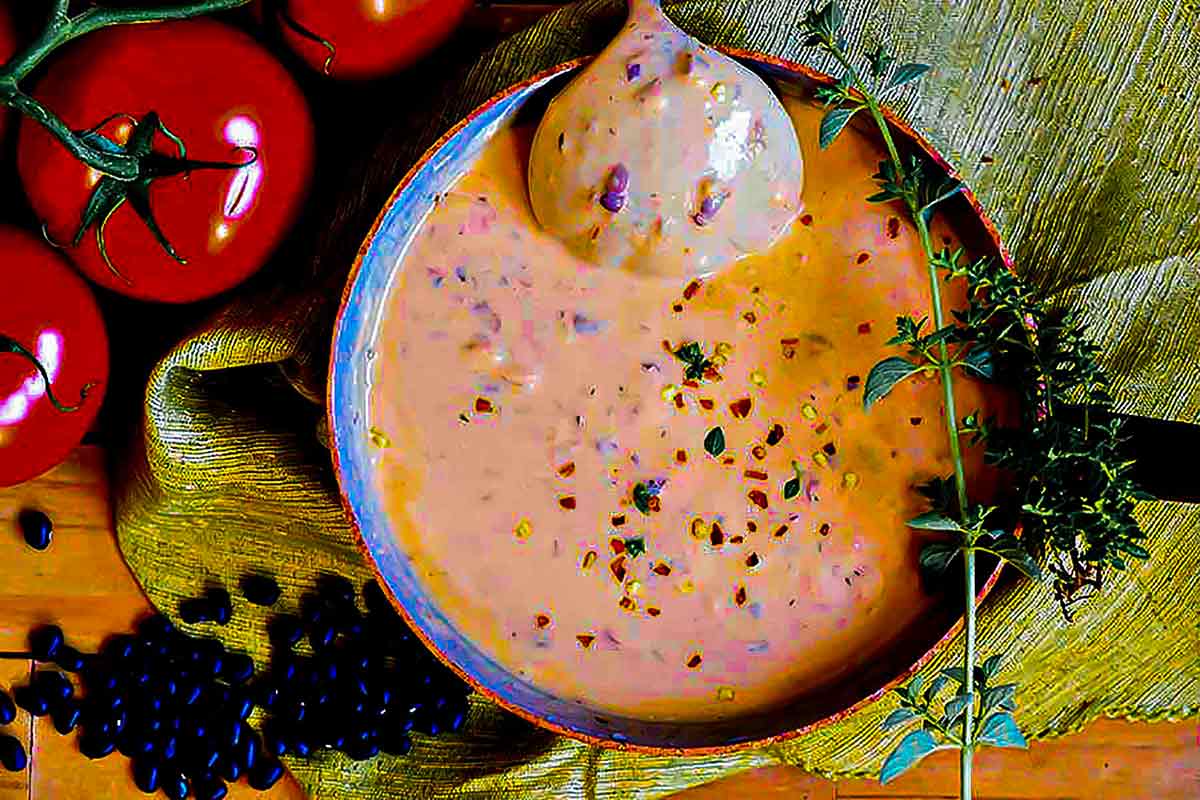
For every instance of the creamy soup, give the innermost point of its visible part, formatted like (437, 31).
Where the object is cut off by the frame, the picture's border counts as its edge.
(662, 499)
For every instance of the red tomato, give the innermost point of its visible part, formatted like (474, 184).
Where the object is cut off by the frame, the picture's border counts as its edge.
(370, 38)
(218, 90)
(49, 311)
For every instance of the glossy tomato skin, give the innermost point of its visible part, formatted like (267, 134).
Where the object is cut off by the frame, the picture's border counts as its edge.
(216, 88)
(49, 310)
(372, 38)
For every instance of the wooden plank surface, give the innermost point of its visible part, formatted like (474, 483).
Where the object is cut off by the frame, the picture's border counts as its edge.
(82, 583)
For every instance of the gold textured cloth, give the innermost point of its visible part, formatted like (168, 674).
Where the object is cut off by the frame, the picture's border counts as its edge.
(1076, 125)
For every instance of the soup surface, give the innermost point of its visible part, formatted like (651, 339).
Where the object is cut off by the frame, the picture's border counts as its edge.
(662, 499)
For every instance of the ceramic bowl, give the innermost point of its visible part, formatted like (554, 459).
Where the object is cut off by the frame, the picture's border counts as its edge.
(359, 318)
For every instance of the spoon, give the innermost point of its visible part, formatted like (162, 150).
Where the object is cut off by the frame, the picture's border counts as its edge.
(665, 157)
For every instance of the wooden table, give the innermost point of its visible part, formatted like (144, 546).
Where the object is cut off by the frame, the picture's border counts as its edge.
(82, 584)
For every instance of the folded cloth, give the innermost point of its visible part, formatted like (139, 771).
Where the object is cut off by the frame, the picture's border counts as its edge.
(1076, 130)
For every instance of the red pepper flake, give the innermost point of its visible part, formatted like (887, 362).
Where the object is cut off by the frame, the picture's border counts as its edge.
(780, 532)
(753, 560)
(567, 470)
(618, 520)
(751, 525)
(739, 596)
(829, 449)
(567, 502)
(754, 474)
(711, 374)
(694, 660)
(758, 497)
(595, 233)
(661, 568)
(626, 603)
(541, 621)
(652, 611)
(806, 219)
(617, 545)
(914, 420)
(750, 317)
(483, 406)
(654, 504)
(893, 227)
(589, 558)
(585, 639)
(824, 528)
(728, 461)
(824, 426)
(853, 382)
(737, 539)
(691, 384)
(740, 408)
(666, 345)
(707, 403)
(715, 535)
(681, 456)
(790, 341)
(690, 290)
(758, 451)
(617, 568)
(678, 307)
(864, 328)
(679, 402)
(775, 434)
(862, 258)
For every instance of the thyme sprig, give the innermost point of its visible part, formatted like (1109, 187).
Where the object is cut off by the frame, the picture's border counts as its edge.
(1075, 495)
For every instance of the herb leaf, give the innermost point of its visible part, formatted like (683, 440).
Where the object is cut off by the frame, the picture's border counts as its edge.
(791, 488)
(979, 362)
(899, 717)
(933, 521)
(833, 122)
(1009, 548)
(635, 546)
(714, 442)
(885, 375)
(912, 749)
(935, 558)
(1000, 730)
(697, 364)
(905, 74)
(641, 498)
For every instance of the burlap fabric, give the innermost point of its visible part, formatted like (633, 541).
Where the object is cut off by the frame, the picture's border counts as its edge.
(1076, 124)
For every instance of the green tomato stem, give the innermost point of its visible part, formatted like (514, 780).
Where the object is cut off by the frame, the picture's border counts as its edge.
(62, 28)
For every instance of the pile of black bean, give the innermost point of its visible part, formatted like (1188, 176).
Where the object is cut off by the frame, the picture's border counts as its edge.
(178, 705)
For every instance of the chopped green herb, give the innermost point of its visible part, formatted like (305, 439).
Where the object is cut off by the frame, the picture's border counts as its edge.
(641, 497)
(714, 442)
(791, 489)
(635, 546)
(698, 364)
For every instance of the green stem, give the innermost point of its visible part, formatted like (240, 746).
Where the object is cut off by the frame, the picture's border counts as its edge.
(62, 28)
(966, 750)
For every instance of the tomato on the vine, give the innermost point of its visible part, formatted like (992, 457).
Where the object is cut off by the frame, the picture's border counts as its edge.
(361, 39)
(199, 85)
(47, 313)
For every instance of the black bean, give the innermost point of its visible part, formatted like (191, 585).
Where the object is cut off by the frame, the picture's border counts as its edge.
(155, 627)
(397, 744)
(8, 709)
(54, 686)
(336, 591)
(45, 642)
(274, 742)
(36, 528)
(240, 705)
(209, 787)
(239, 668)
(31, 700)
(265, 775)
(266, 695)
(168, 747)
(70, 659)
(262, 590)
(175, 785)
(66, 716)
(376, 600)
(221, 604)
(311, 609)
(247, 752)
(146, 775)
(362, 752)
(285, 630)
(321, 635)
(300, 746)
(12, 754)
(95, 746)
(203, 758)
(118, 648)
(196, 609)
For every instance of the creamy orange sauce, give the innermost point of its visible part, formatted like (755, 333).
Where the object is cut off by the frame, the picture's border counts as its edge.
(523, 397)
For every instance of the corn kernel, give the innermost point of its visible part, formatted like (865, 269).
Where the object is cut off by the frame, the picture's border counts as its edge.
(820, 459)
(850, 480)
(687, 586)
(379, 438)
(523, 530)
(758, 378)
(725, 694)
(808, 411)
(669, 391)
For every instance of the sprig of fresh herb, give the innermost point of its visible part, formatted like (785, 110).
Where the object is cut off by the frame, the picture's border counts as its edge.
(944, 729)
(1076, 495)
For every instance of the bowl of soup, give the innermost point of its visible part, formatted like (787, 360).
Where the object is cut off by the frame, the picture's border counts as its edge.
(646, 512)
